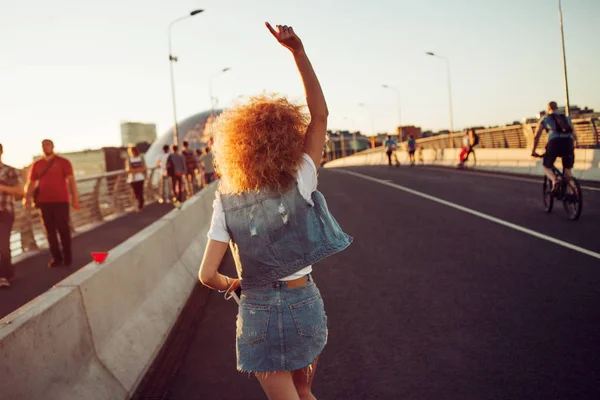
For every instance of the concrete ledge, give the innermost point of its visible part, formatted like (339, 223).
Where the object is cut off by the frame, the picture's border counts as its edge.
(587, 161)
(94, 335)
(47, 352)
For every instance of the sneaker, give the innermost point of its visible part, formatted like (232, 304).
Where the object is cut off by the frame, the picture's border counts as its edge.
(4, 283)
(55, 263)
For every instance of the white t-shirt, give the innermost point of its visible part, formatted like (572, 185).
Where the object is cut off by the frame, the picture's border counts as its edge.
(307, 183)
(466, 141)
(138, 176)
(163, 163)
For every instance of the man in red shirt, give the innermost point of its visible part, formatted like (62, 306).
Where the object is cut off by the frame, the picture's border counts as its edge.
(53, 172)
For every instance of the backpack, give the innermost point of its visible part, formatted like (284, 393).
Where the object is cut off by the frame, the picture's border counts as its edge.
(190, 160)
(475, 139)
(561, 123)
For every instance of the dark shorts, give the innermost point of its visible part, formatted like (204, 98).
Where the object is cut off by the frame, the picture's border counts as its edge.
(411, 152)
(560, 147)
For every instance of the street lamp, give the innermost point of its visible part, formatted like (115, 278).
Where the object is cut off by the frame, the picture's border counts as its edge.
(173, 59)
(370, 117)
(449, 93)
(212, 99)
(399, 109)
(564, 57)
(354, 143)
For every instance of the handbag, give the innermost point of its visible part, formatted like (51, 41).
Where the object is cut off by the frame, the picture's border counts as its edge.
(36, 191)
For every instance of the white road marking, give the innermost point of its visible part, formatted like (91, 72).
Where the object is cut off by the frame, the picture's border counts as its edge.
(475, 213)
(507, 177)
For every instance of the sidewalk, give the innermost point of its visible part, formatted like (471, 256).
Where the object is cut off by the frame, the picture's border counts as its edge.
(33, 277)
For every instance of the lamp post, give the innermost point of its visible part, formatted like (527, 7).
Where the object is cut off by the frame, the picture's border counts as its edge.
(372, 123)
(449, 94)
(354, 143)
(399, 108)
(564, 57)
(173, 59)
(370, 117)
(210, 92)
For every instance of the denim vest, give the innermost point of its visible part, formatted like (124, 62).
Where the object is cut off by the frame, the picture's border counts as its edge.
(275, 235)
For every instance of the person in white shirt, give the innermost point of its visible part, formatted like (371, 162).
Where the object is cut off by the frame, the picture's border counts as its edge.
(164, 181)
(267, 209)
(206, 164)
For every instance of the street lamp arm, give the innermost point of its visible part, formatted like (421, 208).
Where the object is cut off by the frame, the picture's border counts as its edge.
(191, 14)
(171, 60)
(429, 53)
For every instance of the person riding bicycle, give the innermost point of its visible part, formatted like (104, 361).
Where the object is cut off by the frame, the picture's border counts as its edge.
(562, 141)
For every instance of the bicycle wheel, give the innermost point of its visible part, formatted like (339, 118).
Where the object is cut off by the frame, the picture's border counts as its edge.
(548, 198)
(573, 200)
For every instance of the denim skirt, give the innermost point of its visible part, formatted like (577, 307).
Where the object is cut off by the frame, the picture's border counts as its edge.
(280, 328)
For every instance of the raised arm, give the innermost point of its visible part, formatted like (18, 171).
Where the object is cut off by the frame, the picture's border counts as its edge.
(317, 129)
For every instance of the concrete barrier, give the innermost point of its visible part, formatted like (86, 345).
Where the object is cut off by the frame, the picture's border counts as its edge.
(587, 161)
(94, 335)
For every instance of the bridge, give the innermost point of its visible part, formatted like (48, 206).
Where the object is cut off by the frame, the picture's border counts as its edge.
(457, 286)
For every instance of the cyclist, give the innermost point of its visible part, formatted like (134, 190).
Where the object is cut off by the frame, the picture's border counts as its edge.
(561, 142)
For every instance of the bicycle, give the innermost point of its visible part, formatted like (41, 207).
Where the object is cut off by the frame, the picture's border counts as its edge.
(568, 191)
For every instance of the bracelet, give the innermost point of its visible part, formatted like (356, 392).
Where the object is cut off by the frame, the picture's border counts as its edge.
(228, 285)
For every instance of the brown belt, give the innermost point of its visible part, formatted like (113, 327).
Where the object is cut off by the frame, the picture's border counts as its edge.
(297, 282)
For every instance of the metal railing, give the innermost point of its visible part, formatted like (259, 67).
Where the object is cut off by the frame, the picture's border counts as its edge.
(101, 198)
(507, 137)
(515, 136)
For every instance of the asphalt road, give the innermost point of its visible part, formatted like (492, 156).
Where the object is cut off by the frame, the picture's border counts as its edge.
(33, 277)
(430, 301)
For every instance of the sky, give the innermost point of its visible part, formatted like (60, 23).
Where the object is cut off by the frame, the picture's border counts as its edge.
(73, 70)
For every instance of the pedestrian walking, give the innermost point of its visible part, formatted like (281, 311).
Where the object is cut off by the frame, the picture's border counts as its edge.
(136, 174)
(411, 147)
(47, 187)
(207, 165)
(176, 170)
(164, 180)
(11, 185)
(199, 174)
(191, 165)
(279, 226)
(390, 147)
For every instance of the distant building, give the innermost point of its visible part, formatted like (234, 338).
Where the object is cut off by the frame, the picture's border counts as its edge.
(574, 112)
(136, 132)
(97, 161)
(405, 131)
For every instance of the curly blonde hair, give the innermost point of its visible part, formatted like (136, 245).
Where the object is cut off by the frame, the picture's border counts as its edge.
(259, 145)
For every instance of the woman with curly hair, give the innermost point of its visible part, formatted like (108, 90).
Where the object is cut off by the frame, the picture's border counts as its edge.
(267, 209)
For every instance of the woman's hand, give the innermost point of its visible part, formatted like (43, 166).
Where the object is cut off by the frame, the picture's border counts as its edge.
(286, 36)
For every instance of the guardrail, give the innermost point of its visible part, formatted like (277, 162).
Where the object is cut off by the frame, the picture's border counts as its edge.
(102, 197)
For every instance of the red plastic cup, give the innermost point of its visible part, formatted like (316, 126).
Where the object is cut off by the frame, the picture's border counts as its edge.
(99, 257)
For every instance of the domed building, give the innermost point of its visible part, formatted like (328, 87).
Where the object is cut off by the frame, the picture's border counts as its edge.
(194, 129)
